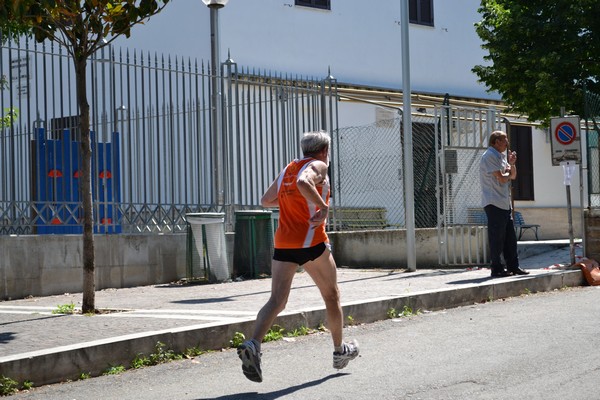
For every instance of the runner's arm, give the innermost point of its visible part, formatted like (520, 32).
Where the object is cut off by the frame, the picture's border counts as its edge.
(307, 182)
(270, 199)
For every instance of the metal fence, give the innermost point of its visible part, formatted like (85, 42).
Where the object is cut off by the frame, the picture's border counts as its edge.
(463, 135)
(153, 158)
(154, 153)
(592, 123)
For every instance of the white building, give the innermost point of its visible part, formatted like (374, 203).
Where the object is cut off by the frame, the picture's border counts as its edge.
(360, 43)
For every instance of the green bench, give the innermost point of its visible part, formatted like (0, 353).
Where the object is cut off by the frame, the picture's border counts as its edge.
(358, 218)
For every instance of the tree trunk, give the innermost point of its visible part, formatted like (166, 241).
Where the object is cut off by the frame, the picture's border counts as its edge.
(89, 285)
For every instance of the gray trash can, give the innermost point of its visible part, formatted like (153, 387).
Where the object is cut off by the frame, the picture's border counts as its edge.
(206, 248)
(253, 244)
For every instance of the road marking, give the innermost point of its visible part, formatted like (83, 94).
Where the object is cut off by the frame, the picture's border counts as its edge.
(200, 315)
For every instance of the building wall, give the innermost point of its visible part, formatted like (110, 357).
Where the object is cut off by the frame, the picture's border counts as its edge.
(359, 41)
(549, 187)
(361, 45)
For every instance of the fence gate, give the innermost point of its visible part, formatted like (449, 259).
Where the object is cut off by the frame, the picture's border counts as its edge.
(461, 139)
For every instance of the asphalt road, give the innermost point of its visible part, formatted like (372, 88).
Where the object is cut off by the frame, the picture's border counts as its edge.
(541, 346)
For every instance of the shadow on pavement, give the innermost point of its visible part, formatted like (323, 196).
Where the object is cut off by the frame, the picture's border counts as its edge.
(276, 394)
(473, 281)
(6, 337)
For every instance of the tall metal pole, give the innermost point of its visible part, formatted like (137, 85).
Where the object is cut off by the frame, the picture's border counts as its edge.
(215, 109)
(409, 191)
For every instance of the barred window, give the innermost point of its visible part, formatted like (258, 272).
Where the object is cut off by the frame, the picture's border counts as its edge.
(420, 12)
(322, 4)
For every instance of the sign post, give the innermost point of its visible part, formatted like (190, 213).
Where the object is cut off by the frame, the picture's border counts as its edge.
(566, 151)
(568, 169)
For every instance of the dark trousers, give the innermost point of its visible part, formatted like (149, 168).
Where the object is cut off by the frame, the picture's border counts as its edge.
(502, 238)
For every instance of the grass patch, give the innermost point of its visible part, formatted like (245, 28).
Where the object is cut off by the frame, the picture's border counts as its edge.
(64, 309)
(238, 339)
(162, 355)
(8, 386)
(275, 333)
(84, 375)
(114, 370)
(407, 311)
(194, 352)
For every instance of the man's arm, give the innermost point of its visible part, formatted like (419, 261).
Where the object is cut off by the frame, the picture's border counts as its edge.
(270, 198)
(307, 183)
(510, 173)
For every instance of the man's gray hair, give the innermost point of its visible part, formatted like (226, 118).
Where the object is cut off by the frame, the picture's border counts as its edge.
(495, 136)
(313, 142)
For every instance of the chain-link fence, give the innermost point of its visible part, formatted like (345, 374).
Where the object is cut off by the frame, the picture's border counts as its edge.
(369, 189)
(592, 123)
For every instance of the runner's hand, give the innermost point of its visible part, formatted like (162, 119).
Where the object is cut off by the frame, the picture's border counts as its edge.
(319, 216)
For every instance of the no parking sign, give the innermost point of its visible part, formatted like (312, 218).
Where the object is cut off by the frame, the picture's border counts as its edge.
(566, 141)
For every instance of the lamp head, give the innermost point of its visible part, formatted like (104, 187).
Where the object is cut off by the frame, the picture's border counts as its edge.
(215, 3)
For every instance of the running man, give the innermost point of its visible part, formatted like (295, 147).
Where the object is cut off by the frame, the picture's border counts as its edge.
(302, 194)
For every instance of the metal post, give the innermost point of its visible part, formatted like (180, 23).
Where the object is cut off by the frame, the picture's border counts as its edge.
(408, 143)
(568, 167)
(215, 119)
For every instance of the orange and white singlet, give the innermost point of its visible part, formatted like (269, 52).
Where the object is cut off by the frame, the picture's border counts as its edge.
(294, 230)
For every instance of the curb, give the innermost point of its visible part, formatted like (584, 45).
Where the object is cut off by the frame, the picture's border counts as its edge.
(69, 362)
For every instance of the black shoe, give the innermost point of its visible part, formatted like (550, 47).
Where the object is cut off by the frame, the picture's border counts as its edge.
(519, 271)
(500, 274)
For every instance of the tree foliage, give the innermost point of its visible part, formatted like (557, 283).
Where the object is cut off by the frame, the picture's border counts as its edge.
(10, 115)
(10, 29)
(82, 27)
(541, 53)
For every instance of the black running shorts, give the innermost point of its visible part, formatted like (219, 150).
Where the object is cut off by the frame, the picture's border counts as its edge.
(299, 256)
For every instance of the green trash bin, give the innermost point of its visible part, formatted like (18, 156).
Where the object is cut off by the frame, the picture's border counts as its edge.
(253, 244)
(206, 247)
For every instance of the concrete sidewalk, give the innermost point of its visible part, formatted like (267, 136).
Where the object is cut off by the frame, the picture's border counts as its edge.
(42, 347)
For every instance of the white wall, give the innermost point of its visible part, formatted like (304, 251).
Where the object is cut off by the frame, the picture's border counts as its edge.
(182, 28)
(361, 44)
(549, 188)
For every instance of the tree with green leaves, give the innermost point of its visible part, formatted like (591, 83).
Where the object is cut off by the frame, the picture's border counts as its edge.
(10, 30)
(82, 27)
(11, 114)
(541, 53)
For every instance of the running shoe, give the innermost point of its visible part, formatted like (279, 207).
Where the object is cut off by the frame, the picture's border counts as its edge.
(340, 360)
(250, 357)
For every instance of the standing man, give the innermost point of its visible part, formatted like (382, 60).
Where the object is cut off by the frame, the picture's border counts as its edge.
(495, 174)
(302, 194)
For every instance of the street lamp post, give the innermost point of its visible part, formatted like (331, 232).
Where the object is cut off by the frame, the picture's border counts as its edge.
(215, 121)
(409, 200)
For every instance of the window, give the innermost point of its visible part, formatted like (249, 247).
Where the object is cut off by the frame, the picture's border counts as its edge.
(420, 12)
(520, 141)
(322, 4)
